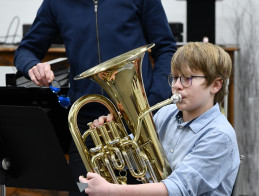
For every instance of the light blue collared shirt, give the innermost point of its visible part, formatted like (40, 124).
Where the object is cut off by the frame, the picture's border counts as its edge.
(203, 154)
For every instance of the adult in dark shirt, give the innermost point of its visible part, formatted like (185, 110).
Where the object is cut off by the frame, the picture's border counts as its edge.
(93, 32)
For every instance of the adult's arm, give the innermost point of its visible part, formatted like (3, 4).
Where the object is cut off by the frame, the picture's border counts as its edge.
(35, 45)
(157, 30)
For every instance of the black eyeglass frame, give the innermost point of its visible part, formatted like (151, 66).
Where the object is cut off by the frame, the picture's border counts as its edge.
(172, 78)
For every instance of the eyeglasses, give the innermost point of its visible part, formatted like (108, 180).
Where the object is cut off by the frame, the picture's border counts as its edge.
(63, 100)
(186, 81)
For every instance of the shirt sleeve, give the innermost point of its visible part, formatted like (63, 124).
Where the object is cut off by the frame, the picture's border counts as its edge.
(157, 30)
(35, 43)
(204, 168)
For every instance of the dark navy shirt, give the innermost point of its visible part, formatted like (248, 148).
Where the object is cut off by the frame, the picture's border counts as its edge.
(122, 25)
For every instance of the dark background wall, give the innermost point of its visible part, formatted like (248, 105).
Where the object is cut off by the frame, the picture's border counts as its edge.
(200, 20)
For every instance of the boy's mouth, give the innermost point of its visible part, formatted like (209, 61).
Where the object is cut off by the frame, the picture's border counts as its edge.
(179, 94)
(183, 97)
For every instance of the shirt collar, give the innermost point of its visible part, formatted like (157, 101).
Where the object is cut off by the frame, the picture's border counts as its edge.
(200, 122)
(179, 117)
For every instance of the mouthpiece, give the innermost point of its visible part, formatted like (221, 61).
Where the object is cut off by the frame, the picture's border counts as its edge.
(176, 98)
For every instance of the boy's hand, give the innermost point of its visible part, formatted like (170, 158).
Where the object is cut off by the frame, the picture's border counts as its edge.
(97, 185)
(41, 74)
(101, 120)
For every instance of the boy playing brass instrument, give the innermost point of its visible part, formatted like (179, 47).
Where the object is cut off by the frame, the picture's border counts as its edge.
(199, 142)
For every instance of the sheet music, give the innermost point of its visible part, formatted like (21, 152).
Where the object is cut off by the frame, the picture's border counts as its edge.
(57, 60)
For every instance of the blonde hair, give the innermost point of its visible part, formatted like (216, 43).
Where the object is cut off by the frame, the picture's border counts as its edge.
(211, 59)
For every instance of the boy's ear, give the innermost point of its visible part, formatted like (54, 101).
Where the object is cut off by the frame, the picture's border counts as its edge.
(216, 85)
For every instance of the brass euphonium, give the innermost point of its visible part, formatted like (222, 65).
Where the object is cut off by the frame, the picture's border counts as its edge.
(140, 152)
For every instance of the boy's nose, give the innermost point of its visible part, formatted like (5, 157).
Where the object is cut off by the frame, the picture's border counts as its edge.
(178, 84)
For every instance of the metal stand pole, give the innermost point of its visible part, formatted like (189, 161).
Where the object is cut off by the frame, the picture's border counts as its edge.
(4, 166)
(3, 190)
(226, 101)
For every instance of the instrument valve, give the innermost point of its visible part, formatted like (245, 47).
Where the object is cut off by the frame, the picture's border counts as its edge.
(114, 141)
(95, 149)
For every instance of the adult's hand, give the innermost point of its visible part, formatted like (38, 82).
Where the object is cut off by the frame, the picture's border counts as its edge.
(41, 74)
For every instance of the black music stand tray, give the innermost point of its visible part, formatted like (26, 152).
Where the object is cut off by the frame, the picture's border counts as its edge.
(37, 161)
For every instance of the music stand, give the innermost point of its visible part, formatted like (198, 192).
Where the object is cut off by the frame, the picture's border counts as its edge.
(28, 140)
